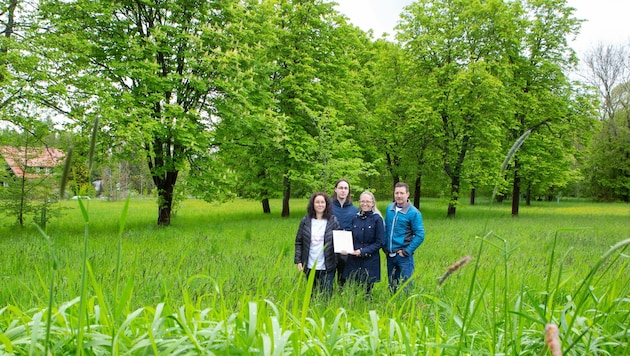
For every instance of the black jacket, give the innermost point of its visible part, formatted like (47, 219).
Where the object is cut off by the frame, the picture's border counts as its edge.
(303, 243)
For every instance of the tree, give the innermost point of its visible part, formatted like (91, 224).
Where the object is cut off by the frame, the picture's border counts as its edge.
(27, 193)
(157, 74)
(8, 13)
(608, 70)
(457, 48)
(401, 117)
(543, 92)
(316, 85)
(13, 58)
(248, 140)
(298, 133)
(494, 70)
(27, 189)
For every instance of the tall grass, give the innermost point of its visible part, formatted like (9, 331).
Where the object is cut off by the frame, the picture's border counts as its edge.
(221, 280)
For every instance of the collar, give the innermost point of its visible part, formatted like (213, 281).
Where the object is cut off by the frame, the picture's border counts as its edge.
(365, 214)
(403, 209)
(345, 203)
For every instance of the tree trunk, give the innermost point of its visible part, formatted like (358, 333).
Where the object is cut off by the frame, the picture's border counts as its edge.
(23, 181)
(165, 205)
(391, 165)
(454, 171)
(472, 196)
(417, 191)
(265, 206)
(164, 214)
(22, 198)
(8, 33)
(452, 207)
(164, 175)
(10, 24)
(516, 189)
(165, 186)
(528, 195)
(450, 212)
(286, 194)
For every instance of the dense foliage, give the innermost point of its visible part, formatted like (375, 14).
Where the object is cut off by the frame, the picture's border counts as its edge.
(278, 98)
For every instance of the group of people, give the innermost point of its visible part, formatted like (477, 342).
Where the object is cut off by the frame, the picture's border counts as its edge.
(399, 234)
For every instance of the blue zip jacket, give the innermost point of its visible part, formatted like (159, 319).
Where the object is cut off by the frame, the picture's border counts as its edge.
(344, 214)
(404, 229)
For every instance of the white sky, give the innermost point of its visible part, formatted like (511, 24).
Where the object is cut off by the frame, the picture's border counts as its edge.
(606, 20)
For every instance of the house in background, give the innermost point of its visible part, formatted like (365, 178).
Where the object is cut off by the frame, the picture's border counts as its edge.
(31, 163)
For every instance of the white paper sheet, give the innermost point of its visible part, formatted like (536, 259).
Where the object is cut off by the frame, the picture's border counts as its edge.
(342, 240)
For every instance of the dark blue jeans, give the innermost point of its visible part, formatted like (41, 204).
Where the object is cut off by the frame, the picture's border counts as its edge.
(323, 281)
(399, 269)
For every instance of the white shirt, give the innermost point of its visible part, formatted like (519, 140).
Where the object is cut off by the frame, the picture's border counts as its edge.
(316, 252)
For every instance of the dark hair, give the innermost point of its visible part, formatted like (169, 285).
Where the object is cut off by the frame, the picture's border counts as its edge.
(403, 185)
(310, 208)
(349, 198)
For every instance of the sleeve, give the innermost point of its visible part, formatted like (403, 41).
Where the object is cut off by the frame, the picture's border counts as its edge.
(417, 227)
(298, 243)
(335, 223)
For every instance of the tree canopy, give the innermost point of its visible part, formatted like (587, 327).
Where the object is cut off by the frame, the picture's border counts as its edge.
(279, 98)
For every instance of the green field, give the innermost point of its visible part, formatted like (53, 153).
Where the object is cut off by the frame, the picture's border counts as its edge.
(221, 280)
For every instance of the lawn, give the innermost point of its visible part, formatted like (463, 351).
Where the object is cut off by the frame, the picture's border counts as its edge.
(221, 279)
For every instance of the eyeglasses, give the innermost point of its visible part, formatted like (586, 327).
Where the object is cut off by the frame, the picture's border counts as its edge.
(365, 202)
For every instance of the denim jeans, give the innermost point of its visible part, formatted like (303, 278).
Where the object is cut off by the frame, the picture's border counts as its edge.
(399, 269)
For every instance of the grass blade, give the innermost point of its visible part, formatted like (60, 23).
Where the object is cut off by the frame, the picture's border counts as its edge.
(66, 173)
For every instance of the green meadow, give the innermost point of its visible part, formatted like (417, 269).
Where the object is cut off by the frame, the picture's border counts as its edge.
(105, 279)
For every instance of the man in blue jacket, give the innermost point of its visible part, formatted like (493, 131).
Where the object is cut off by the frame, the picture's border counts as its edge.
(404, 232)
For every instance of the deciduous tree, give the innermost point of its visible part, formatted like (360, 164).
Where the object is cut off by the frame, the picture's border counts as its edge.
(458, 48)
(402, 122)
(299, 134)
(158, 75)
(545, 99)
(608, 70)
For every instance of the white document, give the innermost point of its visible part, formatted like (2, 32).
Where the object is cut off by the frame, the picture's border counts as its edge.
(342, 240)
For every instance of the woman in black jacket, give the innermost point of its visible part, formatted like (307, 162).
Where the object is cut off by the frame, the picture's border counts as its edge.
(368, 236)
(314, 248)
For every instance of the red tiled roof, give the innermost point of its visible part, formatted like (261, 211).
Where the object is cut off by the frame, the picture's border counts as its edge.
(18, 158)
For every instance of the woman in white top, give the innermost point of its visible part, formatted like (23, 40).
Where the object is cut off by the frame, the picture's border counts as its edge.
(314, 248)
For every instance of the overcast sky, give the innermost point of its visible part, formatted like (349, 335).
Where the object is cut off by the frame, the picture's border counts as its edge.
(606, 20)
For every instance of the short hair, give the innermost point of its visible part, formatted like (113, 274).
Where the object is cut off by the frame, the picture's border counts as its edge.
(310, 208)
(349, 198)
(403, 185)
